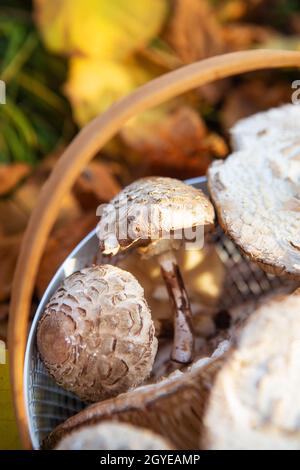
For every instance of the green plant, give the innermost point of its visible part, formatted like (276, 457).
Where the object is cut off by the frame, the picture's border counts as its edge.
(36, 116)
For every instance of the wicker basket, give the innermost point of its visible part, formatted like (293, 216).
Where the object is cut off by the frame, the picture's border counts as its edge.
(40, 404)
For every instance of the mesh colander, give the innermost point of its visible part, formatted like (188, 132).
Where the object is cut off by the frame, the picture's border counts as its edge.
(40, 404)
(47, 404)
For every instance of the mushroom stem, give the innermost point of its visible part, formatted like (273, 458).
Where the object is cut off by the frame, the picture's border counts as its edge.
(183, 344)
(113, 260)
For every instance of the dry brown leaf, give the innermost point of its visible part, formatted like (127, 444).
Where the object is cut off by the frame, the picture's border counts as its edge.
(256, 11)
(9, 249)
(13, 219)
(251, 97)
(27, 195)
(59, 246)
(194, 34)
(268, 11)
(295, 23)
(3, 331)
(245, 36)
(4, 310)
(230, 10)
(215, 145)
(95, 185)
(193, 31)
(15, 211)
(11, 175)
(174, 143)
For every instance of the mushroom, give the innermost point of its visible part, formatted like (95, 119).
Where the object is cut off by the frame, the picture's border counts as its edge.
(173, 407)
(204, 274)
(159, 214)
(96, 336)
(282, 123)
(113, 436)
(254, 403)
(256, 193)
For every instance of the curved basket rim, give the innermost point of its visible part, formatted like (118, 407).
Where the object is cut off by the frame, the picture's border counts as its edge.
(79, 152)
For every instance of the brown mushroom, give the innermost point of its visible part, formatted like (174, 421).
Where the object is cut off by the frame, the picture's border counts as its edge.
(173, 407)
(254, 403)
(113, 436)
(159, 213)
(257, 198)
(96, 336)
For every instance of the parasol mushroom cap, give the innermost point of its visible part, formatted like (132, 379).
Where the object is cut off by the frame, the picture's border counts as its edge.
(256, 193)
(255, 402)
(281, 123)
(152, 208)
(113, 436)
(96, 336)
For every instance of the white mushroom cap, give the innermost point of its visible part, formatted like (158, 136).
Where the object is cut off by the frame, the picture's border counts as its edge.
(113, 436)
(96, 337)
(153, 207)
(255, 401)
(267, 126)
(257, 196)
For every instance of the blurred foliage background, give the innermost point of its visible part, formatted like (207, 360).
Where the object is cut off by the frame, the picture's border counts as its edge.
(66, 61)
(36, 115)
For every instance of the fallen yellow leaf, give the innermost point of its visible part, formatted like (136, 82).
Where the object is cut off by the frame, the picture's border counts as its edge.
(99, 28)
(94, 85)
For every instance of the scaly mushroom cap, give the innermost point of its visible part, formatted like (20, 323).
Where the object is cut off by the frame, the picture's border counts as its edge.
(255, 401)
(113, 436)
(256, 193)
(171, 204)
(96, 337)
(267, 127)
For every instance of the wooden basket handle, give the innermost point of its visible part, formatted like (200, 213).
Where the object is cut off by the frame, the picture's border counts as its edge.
(80, 151)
